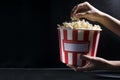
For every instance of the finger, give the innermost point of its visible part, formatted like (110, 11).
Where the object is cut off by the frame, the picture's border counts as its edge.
(79, 8)
(84, 5)
(73, 11)
(88, 67)
(84, 69)
(72, 67)
(86, 57)
(83, 14)
(80, 15)
(76, 9)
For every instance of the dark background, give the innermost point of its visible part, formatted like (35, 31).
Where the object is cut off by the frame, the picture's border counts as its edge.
(29, 32)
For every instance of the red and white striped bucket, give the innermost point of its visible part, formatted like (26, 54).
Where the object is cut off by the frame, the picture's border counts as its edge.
(73, 43)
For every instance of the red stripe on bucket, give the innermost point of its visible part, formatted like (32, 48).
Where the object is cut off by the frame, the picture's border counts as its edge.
(66, 57)
(60, 47)
(74, 58)
(94, 43)
(65, 34)
(86, 35)
(84, 61)
(75, 35)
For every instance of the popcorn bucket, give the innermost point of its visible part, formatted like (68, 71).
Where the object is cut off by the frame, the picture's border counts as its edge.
(74, 42)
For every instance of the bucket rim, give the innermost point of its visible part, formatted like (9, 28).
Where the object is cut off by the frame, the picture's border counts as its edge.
(81, 29)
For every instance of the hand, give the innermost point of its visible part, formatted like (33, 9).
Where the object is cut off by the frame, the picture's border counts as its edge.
(94, 63)
(86, 10)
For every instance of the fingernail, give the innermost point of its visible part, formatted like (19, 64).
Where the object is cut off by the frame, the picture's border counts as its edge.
(76, 14)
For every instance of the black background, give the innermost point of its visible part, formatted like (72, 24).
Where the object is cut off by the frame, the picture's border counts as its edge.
(29, 32)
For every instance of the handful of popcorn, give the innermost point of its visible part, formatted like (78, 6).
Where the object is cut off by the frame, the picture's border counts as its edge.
(79, 24)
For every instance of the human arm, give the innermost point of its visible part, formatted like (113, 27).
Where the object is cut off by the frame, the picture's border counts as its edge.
(96, 63)
(86, 10)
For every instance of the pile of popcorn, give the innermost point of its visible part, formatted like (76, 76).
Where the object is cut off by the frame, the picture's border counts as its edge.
(79, 24)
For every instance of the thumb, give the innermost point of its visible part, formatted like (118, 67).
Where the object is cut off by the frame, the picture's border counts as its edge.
(86, 57)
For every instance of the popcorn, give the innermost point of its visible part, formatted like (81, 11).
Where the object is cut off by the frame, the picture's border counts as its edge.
(79, 24)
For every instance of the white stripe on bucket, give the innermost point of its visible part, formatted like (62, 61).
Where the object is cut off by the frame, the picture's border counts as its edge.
(62, 34)
(80, 35)
(70, 58)
(69, 35)
(91, 42)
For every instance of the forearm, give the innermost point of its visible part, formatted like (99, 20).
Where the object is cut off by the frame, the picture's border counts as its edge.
(111, 23)
(115, 65)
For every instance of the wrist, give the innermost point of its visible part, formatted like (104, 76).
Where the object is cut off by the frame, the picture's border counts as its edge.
(101, 17)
